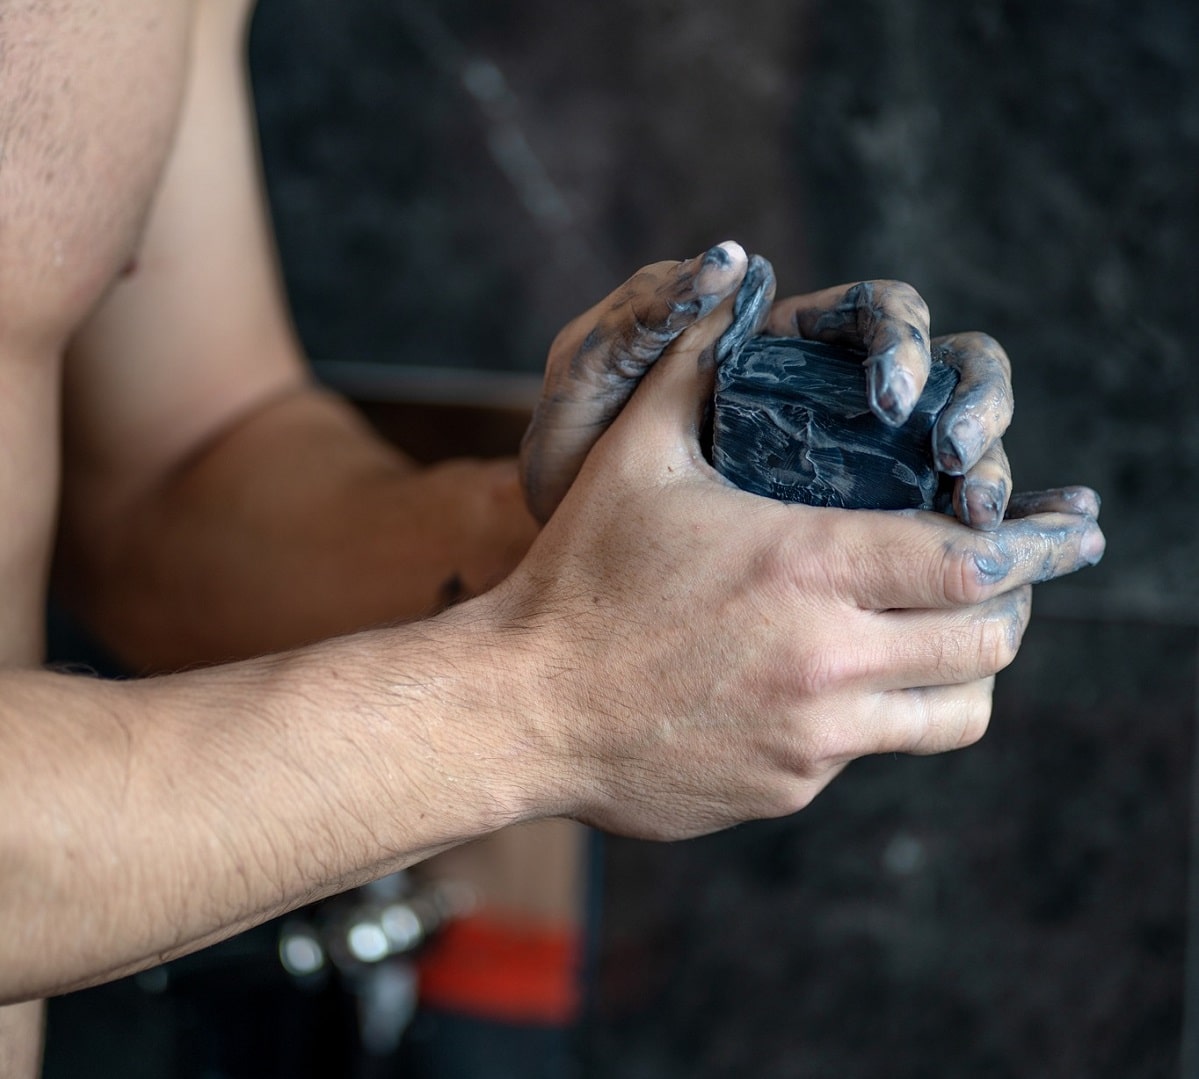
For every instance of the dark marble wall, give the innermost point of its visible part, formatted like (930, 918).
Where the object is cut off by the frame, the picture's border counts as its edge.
(454, 180)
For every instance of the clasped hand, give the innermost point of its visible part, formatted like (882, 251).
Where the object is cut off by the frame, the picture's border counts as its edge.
(714, 656)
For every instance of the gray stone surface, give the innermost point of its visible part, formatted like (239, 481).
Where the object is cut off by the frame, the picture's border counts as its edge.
(791, 422)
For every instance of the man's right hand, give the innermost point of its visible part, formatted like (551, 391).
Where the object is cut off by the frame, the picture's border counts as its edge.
(698, 656)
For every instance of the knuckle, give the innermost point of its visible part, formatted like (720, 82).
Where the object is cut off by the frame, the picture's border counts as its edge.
(570, 340)
(815, 749)
(997, 643)
(972, 569)
(954, 719)
(976, 719)
(859, 307)
(980, 347)
(624, 329)
(782, 564)
(645, 281)
(821, 670)
(959, 579)
(903, 298)
(977, 341)
(862, 293)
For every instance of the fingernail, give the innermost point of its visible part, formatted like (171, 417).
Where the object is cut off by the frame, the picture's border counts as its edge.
(960, 446)
(1094, 543)
(713, 273)
(717, 256)
(964, 509)
(983, 504)
(892, 391)
(1084, 500)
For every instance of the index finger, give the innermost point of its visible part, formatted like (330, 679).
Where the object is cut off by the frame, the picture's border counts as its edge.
(888, 319)
(920, 560)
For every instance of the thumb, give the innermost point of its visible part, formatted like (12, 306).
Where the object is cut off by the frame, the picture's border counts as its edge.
(665, 415)
(676, 395)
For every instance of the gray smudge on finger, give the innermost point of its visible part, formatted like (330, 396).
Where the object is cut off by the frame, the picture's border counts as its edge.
(638, 327)
(749, 309)
(1031, 551)
(1076, 499)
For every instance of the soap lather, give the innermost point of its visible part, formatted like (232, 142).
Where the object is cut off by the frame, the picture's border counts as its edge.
(792, 422)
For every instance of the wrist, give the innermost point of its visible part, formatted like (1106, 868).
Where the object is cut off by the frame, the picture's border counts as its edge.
(505, 724)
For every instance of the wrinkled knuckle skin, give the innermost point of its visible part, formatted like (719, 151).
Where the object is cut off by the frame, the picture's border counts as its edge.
(859, 307)
(997, 645)
(816, 748)
(977, 720)
(903, 298)
(819, 671)
(861, 294)
(778, 566)
(983, 348)
(976, 341)
(973, 569)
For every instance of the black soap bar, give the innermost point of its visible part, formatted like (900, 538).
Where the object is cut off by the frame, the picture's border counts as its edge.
(792, 422)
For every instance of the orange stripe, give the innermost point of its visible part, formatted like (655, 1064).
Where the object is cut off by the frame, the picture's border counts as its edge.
(493, 969)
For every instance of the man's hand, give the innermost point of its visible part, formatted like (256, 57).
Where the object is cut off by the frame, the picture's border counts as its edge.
(596, 362)
(710, 656)
(890, 322)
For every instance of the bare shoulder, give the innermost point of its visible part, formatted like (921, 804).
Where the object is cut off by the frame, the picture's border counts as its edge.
(90, 92)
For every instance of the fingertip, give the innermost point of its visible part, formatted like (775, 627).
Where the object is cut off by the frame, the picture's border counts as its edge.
(1093, 545)
(727, 252)
(893, 389)
(981, 505)
(751, 308)
(957, 444)
(1083, 500)
(721, 269)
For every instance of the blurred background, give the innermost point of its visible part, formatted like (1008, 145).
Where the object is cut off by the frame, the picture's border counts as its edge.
(454, 180)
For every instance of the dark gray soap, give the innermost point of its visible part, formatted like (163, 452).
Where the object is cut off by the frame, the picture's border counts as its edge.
(792, 422)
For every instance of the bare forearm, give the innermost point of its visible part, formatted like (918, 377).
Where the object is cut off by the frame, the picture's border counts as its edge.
(153, 817)
(674, 656)
(297, 524)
